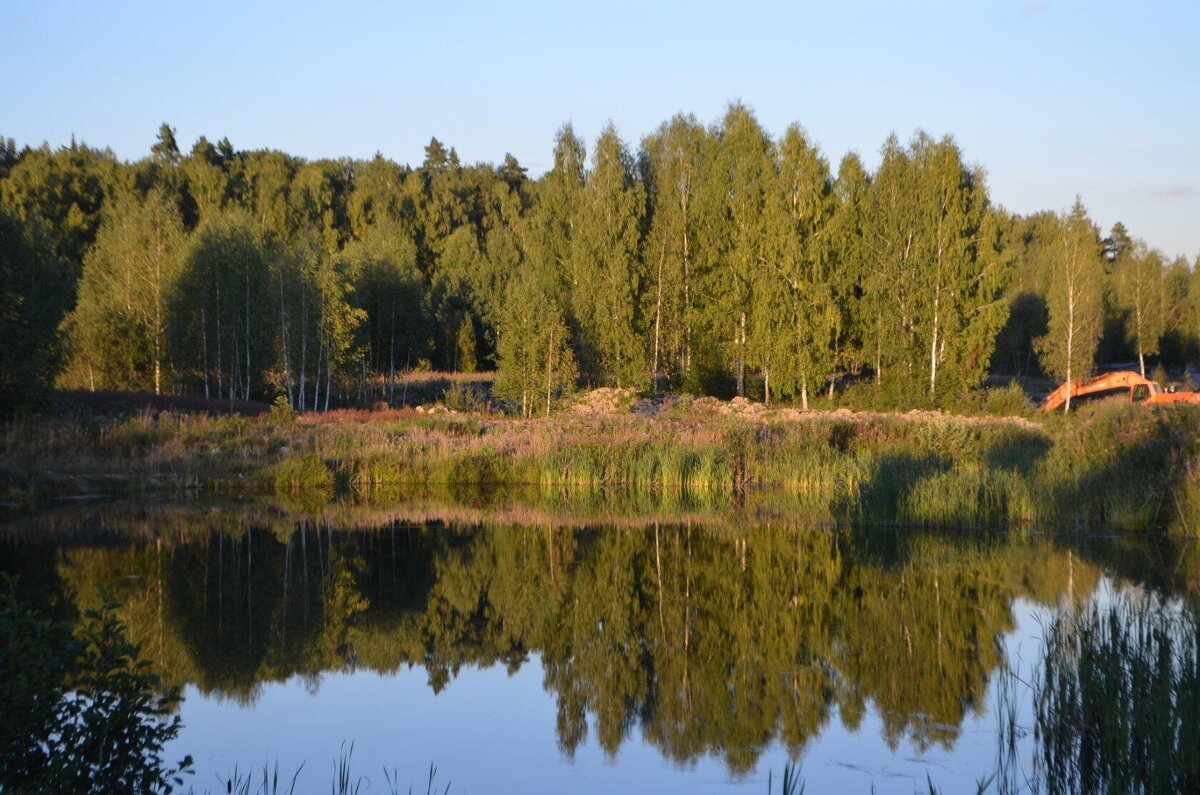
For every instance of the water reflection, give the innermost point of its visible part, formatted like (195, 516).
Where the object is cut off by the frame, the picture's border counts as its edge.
(712, 638)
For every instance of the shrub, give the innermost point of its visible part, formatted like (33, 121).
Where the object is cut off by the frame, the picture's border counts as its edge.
(81, 712)
(282, 412)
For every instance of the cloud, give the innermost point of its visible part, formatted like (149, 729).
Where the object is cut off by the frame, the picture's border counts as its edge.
(1175, 192)
(1034, 9)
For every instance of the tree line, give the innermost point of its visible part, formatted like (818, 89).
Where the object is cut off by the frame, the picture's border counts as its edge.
(713, 258)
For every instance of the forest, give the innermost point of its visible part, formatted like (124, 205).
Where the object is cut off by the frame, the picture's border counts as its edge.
(709, 259)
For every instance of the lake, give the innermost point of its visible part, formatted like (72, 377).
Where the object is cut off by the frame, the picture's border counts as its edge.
(519, 649)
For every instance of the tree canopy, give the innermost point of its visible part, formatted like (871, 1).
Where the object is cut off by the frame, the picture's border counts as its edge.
(706, 258)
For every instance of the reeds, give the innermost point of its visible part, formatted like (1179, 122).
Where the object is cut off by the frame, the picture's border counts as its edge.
(1118, 703)
(1116, 466)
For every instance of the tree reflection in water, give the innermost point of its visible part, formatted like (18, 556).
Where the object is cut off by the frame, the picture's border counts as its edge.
(709, 639)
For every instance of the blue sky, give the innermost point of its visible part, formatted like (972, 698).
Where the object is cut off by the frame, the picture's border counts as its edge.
(1052, 98)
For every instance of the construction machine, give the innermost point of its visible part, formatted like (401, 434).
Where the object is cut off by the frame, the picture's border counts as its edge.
(1122, 382)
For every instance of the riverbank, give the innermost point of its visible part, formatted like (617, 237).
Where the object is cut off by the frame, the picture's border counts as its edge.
(1108, 466)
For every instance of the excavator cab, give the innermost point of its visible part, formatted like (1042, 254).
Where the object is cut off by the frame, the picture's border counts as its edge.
(1143, 392)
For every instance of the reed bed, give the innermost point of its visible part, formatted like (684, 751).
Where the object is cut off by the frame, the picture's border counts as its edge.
(1117, 707)
(1112, 466)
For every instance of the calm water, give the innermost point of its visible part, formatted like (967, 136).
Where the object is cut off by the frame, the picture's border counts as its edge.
(519, 651)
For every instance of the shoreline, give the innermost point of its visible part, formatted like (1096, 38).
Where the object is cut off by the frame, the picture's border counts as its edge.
(1116, 466)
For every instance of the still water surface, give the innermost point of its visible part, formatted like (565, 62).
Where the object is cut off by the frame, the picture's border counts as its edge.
(669, 656)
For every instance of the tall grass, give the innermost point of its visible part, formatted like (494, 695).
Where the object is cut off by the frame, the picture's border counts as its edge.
(1118, 704)
(1108, 466)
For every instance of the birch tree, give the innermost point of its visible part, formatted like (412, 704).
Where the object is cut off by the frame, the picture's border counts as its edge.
(799, 252)
(606, 277)
(1075, 300)
(389, 289)
(535, 364)
(673, 167)
(222, 331)
(936, 281)
(120, 320)
(739, 178)
(1138, 282)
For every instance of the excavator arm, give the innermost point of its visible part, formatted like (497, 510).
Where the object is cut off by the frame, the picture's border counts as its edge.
(1121, 379)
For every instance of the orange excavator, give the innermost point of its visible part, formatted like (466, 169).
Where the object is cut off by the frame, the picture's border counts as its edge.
(1135, 387)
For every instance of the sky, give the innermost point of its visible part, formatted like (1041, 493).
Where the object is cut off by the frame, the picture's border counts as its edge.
(1053, 99)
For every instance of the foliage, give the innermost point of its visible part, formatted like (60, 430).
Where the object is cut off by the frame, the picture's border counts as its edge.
(282, 412)
(1075, 300)
(81, 712)
(715, 259)
(35, 295)
(1117, 703)
(535, 364)
(119, 329)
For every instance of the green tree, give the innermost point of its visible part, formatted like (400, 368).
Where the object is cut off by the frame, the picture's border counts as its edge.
(1075, 300)
(335, 321)
(739, 181)
(119, 333)
(66, 190)
(377, 197)
(535, 364)
(849, 250)
(802, 329)
(605, 266)
(673, 163)
(81, 711)
(557, 211)
(937, 278)
(223, 336)
(34, 297)
(1137, 276)
(391, 291)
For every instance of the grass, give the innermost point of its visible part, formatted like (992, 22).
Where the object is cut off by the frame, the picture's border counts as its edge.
(1109, 466)
(1117, 708)
(344, 780)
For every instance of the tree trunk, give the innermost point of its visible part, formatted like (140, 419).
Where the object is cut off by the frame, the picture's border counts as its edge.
(328, 379)
(204, 347)
(391, 394)
(740, 338)
(549, 368)
(247, 395)
(657, 323)
(219, 375)
(933, 349)
(303, 347)
(283, 344)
